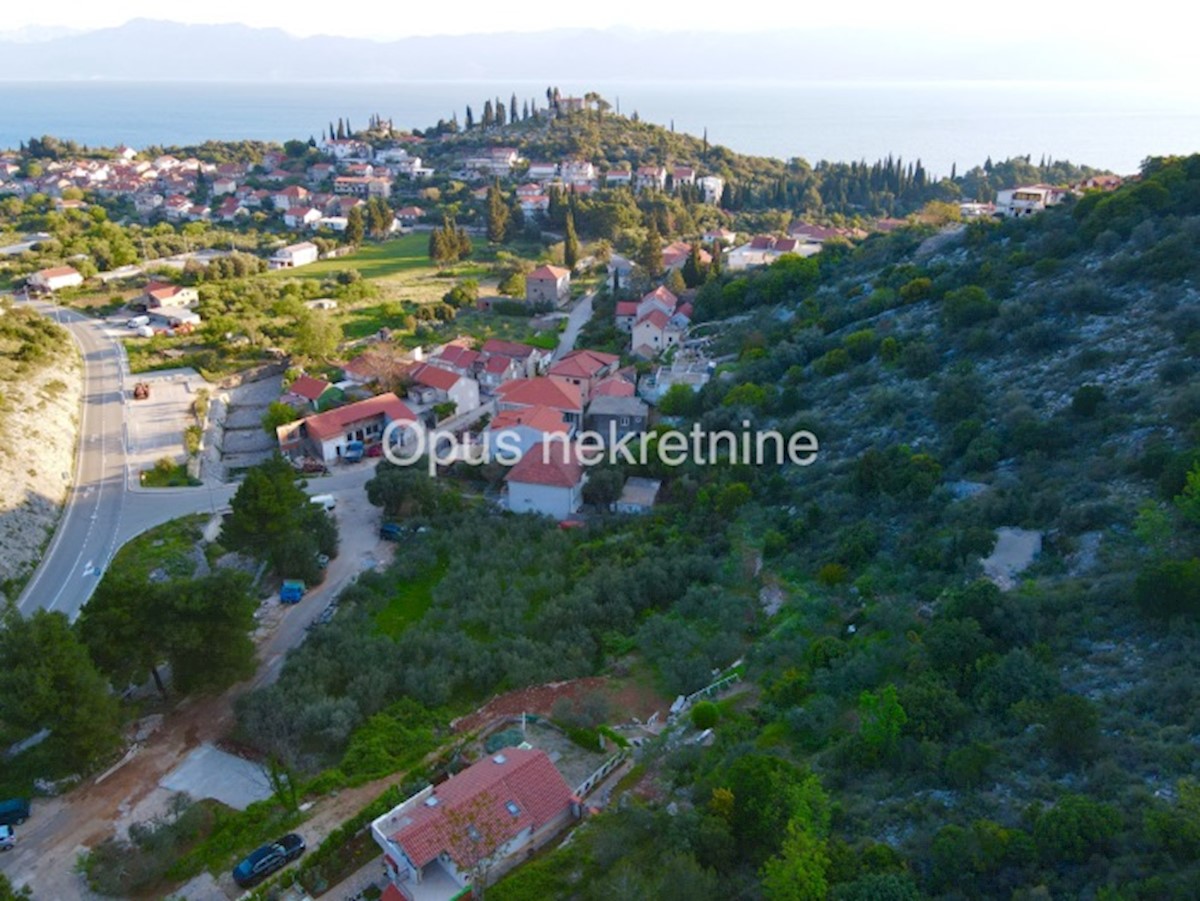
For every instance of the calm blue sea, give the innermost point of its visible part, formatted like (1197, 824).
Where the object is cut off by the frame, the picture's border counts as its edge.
(1113, 126)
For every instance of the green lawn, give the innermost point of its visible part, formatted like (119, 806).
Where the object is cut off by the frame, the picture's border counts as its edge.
(405, 254)
(411, 601)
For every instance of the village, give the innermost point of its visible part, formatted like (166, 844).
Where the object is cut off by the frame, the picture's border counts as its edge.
(365, 401)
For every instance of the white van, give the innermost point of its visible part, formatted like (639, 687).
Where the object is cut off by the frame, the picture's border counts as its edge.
(137, 322)
(328, 501)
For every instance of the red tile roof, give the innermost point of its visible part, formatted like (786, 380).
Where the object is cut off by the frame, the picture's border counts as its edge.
(457, 355)
(582, 364)
(162, 290)
(309, 388)
(327, 425)
(627, 308)
(542, 392)
(435, 377)
(550, 272)
(497, 365)
(481, 794)
(655, 317)
(556, 472)
(57, 271)
(663, 294)
(614, 387)
(512, 349)
(544, 419)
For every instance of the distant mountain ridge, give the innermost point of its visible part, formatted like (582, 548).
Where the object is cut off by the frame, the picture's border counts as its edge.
(153, 50)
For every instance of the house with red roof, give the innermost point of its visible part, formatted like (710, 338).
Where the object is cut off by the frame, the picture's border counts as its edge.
(513, 433)
(542, 392)
(626, 315)
(159, 295)
(533, 360)
(548, 480)
(431, 385)
(306, 392)
(325, 435)
(584, 369)
(499, 810)
(301, 216)
(291, 196)
(55, 278)
(548, 285)
(457, 357)
(497, 370)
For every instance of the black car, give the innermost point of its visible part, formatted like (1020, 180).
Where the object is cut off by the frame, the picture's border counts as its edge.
(260, 864)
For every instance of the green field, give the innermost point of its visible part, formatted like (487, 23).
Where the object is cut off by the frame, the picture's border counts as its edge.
(405, 254)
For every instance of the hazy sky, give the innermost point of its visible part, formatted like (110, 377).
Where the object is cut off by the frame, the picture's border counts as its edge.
(382, 20)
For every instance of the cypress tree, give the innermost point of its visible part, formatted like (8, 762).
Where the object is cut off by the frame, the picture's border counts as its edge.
(354, 227)
(497, 214)
(512, 108)
(692, 272)
(570, 243)
(341, 132)
(470, 119)
(488, 117)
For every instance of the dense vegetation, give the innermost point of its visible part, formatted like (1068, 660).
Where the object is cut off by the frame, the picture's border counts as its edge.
(913, 730)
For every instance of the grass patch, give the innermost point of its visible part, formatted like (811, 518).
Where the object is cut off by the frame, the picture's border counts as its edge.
(167, 547)
(410, 602)
(405, 254)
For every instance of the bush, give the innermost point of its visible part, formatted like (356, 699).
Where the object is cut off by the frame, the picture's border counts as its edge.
(1087, 399)
(966, 306)
(1169, 588)
(705, 714)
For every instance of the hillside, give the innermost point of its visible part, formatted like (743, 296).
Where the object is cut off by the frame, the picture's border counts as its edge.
(39, 414)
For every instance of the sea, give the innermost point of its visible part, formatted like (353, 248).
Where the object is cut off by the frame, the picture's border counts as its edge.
(1109, 125)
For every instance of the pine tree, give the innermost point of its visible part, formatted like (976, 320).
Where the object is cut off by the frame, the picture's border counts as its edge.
(714, 269)
(462, 244)
(570, 243)
(616, 289)
(497, 214)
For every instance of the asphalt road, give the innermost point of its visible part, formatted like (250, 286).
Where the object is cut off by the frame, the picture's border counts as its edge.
(105, 509)
(86, 536)
(576, 320)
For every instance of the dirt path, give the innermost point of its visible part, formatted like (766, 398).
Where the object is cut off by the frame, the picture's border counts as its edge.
(63, 828)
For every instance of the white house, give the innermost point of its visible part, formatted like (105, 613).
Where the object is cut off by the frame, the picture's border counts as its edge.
(294, 255)
(712, 187)
(301, 217)
(618, 178)
(766, 249)
(325, 435)
(548, 481)
(56, 278)
(1012, 203)
(650, 177)
(347, 149)
(542, 171)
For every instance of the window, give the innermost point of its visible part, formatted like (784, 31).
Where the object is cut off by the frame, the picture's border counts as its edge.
(512, 808)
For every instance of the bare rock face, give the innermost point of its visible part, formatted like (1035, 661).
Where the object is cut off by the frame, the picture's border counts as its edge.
(39, 422)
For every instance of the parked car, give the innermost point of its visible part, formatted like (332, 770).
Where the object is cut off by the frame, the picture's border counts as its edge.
(260, 864)
(8, 838)
(14, 811)
(328, 501)
(391, 531)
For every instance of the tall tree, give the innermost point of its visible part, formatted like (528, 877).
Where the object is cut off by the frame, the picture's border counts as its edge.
(570, 243)
(489, 117)
(512, 108)
(341, 131)
(497, 214)
(48, 681)
(470, 120)
(649, 255)
(693, 272)
(355, 228)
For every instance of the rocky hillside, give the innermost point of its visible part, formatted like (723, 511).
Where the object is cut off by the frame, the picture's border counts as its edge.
(40, 385)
